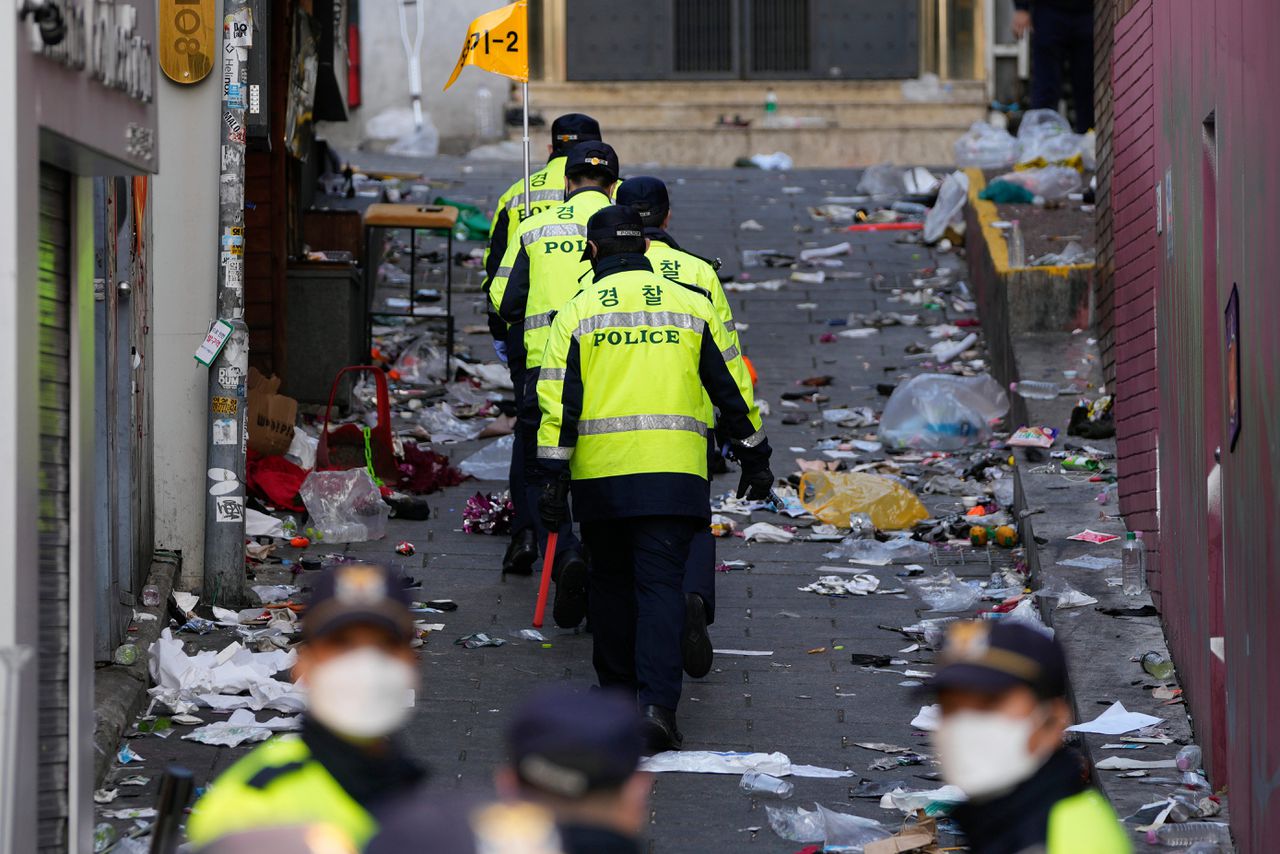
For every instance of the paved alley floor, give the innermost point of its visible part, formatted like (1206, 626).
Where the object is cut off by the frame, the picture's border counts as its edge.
(806, 698)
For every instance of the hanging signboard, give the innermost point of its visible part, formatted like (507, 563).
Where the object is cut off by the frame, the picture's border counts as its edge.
(187, 39)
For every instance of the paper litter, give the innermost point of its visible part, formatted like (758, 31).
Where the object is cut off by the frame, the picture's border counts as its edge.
(763, 532)
(834, 585)
(1116, 720)
(241, 728)
(735, 762)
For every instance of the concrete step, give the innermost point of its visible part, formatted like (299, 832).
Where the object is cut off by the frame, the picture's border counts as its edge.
(671, 114)
(789, 92)
(832, 148)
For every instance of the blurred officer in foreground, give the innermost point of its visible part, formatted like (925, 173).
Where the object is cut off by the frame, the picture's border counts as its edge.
(578, 755)
(546, 190)
(546, 267)
(1002, 689)
(648, 197)
(430, 822)
(628, 367)
(304, 839)
(359, 671)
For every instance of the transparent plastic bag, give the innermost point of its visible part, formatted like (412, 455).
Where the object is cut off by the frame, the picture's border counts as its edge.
(345, 506)
(949, 208)
(985, 147)
(945, 593)
(876, 553)
(443, 426)
(848, 833)
(833, 496)
(796, 824)
(881, 180)
(492, 462)
(422, 362)
(1045, 134)
(942, 412)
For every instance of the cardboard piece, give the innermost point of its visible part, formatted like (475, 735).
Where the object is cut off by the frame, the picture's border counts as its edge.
(271, 415)
(909, 841)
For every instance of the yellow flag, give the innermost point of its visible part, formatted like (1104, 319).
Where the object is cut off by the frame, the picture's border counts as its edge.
(498, 41)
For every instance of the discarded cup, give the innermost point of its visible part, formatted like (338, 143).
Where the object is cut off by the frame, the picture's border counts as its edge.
(756, 783)
(1189, 758)
(151, 596)
(1159, 666)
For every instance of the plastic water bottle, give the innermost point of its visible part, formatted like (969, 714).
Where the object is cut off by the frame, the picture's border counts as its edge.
(1133, 563)
(1017, 246)
(756, 783)
(1157, 665)
(1190, 833)
(1189, 758)
(1034, 389)
(770, 102)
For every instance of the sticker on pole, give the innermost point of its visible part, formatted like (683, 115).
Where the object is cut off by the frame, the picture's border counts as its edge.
(214, 340)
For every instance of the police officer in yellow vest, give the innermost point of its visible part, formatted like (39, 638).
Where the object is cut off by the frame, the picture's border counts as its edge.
(1002, 689)
(546, 190)
(359, 672)
(542, 270)
(648, 197)
(628, 367)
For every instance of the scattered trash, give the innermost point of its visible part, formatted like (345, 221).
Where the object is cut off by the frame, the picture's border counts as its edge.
(241, 728)
(126, 754)
(933, 801)
(1073, 255)
(271, 593)
(985, 147)
(763, 532)
(833, 496)
(105, 796)
(902, 549)
(345, 506)
(735, 762)
(948, 211)
(1157, 665)
(834, 585)
(130, 813)
(487, 514)
(928, 719)
(405, 549)
(946, 593)
(927, 87)
(763, 653)
(1123, 763)
(1088, 536)
(478, 640)
(942, 412)
(899, 760)
(492, 462)
(1065, 595)
(530, 635)
(837, 831)
(1033, 437)
(758, 783)
(777, 161)
(220, 679)
(1117, 720)
(750, 225)
(826, 251)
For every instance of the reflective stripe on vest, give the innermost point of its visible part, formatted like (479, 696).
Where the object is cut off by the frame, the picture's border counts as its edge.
(634, 423)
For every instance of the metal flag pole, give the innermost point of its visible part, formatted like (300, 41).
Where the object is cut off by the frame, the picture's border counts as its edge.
(526, 149)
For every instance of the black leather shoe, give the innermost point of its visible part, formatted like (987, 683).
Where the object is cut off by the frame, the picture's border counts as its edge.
(695, 643)
(521, 555)
(659, 727)
(570, 605)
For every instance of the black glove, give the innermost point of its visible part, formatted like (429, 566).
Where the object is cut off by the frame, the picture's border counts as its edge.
(755, 484)
(553, 503)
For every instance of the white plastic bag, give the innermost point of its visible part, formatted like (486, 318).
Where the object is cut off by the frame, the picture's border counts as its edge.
(1045, 133)
(422, 362)
(986, 147)
(949, 208)
(492, 462)
(345, 506)
(942, 412)
(1051, 182)
(882, 180)
(901, 549)
(945, 593)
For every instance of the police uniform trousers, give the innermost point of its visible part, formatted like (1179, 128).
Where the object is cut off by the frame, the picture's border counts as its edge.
(528, 418)
(1059, 35)
(636, 606)
(522, 513)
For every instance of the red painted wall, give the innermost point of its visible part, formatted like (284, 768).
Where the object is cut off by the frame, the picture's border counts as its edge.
(1212, 77)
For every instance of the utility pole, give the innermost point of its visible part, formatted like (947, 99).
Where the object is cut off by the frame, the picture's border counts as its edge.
(228, 436)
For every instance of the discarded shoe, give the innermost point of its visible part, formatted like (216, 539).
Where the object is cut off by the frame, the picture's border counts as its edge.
(570, 605)
(695, 643)
(521, 554)
(659, 728)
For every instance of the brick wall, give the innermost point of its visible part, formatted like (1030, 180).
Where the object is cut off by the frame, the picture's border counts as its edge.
(1131, 241)
(1104, 13)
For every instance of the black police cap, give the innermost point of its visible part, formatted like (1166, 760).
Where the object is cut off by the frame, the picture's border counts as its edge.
(571, 129)
(648, 195)
(612, 222)
(592, 154)
(570, 744)
(361, 594)
(990, 657)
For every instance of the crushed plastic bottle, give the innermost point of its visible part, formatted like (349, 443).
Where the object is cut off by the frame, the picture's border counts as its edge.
(104, 836)
(126, 654)
(1034, 389)
(1017, 247)
(1159, 666)
(756, 783)
(1189, 758)
(151, 596)
(1190, 833)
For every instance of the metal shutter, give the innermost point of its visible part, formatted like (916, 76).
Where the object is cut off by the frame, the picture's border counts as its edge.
(779, 38)
(54, 505)
(618, 41)
(865, 39)
(705, 38)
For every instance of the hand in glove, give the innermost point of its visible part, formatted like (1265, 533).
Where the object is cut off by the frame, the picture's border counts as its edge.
(553, 503)
(755, 483)
(500, 347)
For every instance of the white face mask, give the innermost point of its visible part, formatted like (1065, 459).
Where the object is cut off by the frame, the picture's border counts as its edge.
(986, 753)
(364, 693)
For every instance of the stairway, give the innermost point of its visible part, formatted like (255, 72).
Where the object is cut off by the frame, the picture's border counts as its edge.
(818, 123)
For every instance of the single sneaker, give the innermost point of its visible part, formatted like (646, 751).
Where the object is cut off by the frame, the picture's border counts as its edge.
(695, 643)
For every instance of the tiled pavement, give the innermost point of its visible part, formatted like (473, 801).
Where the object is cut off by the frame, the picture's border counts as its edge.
(811, 705)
